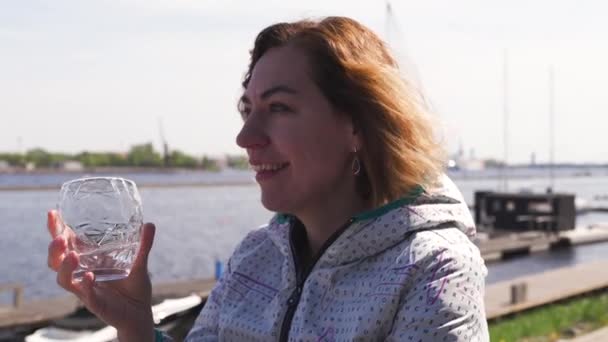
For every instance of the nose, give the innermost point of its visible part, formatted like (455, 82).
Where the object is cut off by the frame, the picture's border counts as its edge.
(252, 135)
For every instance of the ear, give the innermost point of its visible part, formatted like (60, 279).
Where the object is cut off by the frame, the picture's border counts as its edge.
(357, 140)
(351, 131)
(356, 137)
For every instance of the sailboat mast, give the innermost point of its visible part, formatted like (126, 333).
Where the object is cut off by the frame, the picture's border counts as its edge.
(387, 21)
(505, 111)
(551, 125)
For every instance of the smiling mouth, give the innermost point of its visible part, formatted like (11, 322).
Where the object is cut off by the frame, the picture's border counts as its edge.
(269, 167)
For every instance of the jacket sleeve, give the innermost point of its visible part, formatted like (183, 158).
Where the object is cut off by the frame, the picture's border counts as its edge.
(444, 299)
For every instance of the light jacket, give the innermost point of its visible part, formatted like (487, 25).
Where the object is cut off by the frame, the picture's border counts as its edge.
(403, 272)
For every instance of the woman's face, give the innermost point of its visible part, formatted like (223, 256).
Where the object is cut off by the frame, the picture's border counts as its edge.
(299, 147)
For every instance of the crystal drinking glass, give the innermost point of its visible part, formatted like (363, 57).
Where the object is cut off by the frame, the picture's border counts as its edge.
(102, 221)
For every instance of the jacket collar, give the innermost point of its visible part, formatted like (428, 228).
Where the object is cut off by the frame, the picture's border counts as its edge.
(382, 228)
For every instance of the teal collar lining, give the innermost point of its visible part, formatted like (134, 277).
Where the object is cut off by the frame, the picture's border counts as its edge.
(373, 213)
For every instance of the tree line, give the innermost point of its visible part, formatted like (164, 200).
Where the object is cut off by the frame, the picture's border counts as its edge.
(142, 155)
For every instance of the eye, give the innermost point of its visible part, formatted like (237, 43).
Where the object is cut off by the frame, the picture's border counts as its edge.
(244, 110)
(277, 107)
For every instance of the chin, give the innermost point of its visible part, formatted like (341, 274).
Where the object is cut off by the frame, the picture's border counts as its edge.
(275, 203)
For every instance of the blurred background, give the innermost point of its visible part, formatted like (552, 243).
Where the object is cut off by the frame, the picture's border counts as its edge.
(147, 90)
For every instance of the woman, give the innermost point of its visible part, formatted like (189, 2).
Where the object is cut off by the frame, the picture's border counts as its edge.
(370, 240)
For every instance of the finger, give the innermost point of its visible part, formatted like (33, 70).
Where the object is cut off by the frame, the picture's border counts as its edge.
(51, 223)
(56, 254)
(88, 281)
(86, 287)
(56, 227)
(145, 245)
(64, 274)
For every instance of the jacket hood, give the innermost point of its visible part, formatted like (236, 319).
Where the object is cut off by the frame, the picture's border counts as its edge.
(375, 231)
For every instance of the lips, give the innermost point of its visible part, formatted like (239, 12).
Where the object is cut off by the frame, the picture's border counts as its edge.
(261, 167)
(265, 171)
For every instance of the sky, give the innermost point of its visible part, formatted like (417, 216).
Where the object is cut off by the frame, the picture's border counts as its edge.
(100, 75)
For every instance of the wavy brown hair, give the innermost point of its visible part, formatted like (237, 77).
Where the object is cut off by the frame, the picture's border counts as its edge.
(357, 74)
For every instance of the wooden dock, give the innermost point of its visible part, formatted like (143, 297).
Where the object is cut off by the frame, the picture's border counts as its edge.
(516, 244)
(41, 311)
(201, 287)
(545, 288)
(541, 289)
(592, 234)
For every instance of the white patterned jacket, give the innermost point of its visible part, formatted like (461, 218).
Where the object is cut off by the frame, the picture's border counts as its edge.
(403, 272)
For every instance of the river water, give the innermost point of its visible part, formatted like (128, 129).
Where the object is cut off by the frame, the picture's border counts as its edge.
(196, 224)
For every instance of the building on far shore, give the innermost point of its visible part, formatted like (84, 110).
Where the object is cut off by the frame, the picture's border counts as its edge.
(71, 165)
(459, 161)
(4, 165)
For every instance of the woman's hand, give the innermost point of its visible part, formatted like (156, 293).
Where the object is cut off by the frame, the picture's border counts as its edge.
(124, 304)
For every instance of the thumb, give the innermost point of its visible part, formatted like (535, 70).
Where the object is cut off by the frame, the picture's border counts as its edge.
(145, 245)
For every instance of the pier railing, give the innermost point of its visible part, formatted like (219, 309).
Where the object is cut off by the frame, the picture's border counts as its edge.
(17, 290)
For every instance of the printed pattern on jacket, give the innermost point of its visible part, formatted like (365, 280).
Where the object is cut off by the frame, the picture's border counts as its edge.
(408, 274)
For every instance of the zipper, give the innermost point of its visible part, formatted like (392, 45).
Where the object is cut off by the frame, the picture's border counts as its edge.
(301, 276)
(292, 305)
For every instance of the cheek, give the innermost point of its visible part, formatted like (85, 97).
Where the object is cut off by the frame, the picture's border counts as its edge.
(319, 162)
(319, 157)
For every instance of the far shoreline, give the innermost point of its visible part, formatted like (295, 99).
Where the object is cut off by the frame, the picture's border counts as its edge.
(117, 169)
(246, 177)
(139, 185)
(242, 180)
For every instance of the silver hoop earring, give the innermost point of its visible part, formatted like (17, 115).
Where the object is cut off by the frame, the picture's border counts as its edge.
(356, 167)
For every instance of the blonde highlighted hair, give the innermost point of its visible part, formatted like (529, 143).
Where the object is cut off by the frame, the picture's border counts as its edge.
(357, 74)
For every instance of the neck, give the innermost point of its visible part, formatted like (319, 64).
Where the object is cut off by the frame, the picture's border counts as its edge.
(326, 216)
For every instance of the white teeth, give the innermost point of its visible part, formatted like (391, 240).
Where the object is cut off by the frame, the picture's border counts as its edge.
(266, 167)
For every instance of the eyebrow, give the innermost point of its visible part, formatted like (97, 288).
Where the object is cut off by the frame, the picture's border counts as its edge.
(271, 91)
